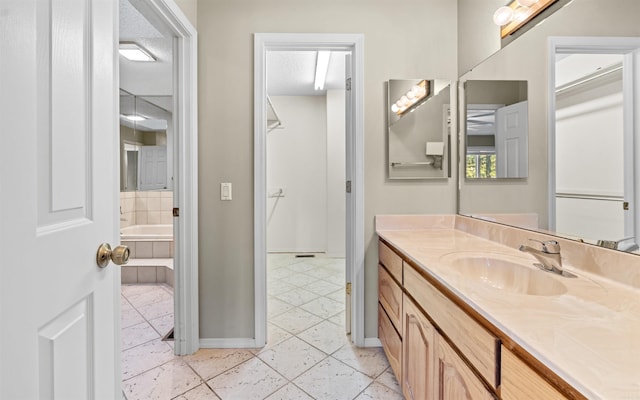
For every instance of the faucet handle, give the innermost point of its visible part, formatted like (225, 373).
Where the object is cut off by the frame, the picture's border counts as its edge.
(549, 246)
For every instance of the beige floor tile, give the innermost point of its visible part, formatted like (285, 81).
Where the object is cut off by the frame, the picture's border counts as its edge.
(338, 295)
(370, 361)
(323, 307)
(145, 357)
(209, 363)
(252, 380)
(202, 392)
(331, 379)
(279, 273)
(388, 379)
(338, 319)
(163, 324)
(279, 286)
(137, 334)
(290, 392)
(292, 357)
(337, 279)
(320, 272)
(275, 335)
(297, 296)
(154, 294)
(325, 336)
(377, 391)
(321, 287)
(129, 316)
(276, 307)
(162, 383)
(157, 310)
(135, 290)
(296, 320)
(300, 266)
(300, 279)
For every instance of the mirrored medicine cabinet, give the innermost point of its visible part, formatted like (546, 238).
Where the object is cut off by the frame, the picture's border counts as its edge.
(419, 128)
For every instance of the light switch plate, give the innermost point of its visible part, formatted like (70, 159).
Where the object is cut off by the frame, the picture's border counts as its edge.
(225, 191)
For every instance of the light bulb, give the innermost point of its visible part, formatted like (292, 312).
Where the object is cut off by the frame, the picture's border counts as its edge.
(503, 16)
(526, 3)
(394, 108)
(411, 94)
(405, 100)
(399, 104)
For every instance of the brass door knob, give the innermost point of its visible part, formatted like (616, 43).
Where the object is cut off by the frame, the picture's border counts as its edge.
(119, 255)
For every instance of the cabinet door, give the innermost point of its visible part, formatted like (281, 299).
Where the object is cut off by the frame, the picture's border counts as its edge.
(418, 354)
(455, 379)
(519, 382)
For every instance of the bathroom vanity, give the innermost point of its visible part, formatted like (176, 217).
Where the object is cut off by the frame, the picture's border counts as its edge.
(463, 314)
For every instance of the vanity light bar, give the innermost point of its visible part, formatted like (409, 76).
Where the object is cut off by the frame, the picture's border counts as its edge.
(412, 98)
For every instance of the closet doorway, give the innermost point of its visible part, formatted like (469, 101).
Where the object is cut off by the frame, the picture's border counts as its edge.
(321, 165)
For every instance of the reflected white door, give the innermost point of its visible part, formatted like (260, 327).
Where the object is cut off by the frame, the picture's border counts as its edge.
(511, 141)
(153, 168)
(58, 192)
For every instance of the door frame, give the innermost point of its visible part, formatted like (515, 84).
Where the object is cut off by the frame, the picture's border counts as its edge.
(264, 42)
(185, 194)
(625, 46)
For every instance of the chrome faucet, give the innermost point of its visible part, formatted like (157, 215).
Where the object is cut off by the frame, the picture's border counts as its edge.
(548, 255)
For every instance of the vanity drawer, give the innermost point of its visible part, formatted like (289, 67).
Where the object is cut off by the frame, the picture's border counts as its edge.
(390, 296)
(521, 382)
(391, 341)
(478, 345)
(390, 260)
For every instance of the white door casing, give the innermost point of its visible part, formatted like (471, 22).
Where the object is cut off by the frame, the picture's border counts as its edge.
(58, 180)
(511, 140)
(349, 255)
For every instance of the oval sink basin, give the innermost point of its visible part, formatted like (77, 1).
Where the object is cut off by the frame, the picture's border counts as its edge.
(508, 276)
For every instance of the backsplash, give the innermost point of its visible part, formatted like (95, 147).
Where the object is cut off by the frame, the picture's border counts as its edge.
(146, 208)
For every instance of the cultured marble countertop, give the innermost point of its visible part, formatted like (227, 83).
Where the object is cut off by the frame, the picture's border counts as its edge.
(589, 335)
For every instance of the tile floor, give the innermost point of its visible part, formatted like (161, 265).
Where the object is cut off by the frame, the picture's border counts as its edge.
(308, 355)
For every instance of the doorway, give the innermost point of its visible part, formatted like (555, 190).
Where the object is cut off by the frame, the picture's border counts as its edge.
(354, 171)
(593, 145)
(165, 147)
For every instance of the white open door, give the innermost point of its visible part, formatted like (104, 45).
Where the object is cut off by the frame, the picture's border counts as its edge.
(511, 141)
(58, 192)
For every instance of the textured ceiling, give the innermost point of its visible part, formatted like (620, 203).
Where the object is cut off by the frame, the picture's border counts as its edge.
(292, 73)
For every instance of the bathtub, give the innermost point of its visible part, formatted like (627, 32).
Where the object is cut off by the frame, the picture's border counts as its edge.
(148, 241)
(137, 233)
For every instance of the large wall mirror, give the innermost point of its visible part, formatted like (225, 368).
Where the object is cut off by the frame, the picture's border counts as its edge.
(145, 130)
(496, 129)
(583, 136)
(419, 125)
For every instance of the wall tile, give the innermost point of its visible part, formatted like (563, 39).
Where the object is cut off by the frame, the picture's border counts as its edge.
(141, 203)
(142, 217)
(166, 217)
(166, 204)
(153, 204)
(161, 274)
(161, 250)
(154, 218)
(128, 274)
(154, 194)
(147, 275)
(144, 250)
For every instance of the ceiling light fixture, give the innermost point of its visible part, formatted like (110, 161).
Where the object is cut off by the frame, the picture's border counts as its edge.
(322, 65)
(134, 118)
(134, 52)
(518, 13)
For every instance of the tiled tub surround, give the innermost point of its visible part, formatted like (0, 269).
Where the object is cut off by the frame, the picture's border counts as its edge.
(588, 336)
(146, 208)
(148, 270)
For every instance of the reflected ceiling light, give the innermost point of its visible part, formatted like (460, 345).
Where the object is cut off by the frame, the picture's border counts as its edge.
(503, 15)
(134, 52)
(133, 117)
(322, 65)
(411, 98)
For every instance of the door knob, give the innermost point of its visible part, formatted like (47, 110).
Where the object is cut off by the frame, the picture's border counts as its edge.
(119, 255)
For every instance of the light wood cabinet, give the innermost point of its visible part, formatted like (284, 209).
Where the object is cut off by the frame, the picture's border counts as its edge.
(418, 349)
(391, 261)
(520, 382)
(456, 381)
(391, 341)
(390, 296)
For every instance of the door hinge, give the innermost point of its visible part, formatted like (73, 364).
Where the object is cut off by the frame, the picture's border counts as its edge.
(625, 206)
(348, 186)
(348, 84)
(348, 288)
(176, 212)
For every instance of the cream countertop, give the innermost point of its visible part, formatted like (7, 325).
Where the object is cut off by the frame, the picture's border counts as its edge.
(589, 335)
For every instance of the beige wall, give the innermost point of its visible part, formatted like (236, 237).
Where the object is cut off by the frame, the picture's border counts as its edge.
(190, 9)
(526, 59)
(408, 39)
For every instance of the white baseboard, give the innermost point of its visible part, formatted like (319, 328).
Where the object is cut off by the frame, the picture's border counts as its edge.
(230, 343)
(372, 342)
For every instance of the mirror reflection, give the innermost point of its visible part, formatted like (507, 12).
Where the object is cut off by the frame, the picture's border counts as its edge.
(583, 133)
(419, 124)
(496, 129)
(145, 125)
